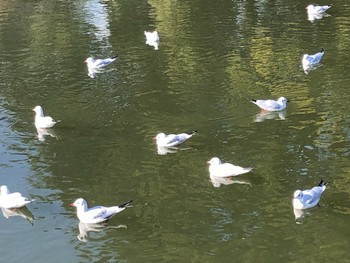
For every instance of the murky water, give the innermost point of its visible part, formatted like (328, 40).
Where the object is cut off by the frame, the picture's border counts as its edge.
(212, 58)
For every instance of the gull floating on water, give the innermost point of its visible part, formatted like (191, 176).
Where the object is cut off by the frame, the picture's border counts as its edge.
(317, 9)
(311, 61)
(97, 214)
(308, 198)
(98, 65)
(152, 39)
(171, 140)
(12, 200)
(271, 105)
(41, 121)
(219, 169)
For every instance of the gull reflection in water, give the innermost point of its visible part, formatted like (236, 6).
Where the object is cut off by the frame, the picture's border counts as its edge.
(165, 150)
(298, 214)
(218, 181)
(269, 115)
(45, 132)
(308, 68)
(22, 212)
(85, 228)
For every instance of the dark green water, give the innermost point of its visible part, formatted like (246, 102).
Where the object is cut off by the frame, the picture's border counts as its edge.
(213, 56)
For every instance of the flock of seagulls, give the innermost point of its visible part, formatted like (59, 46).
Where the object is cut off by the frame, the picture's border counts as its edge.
(219, 173)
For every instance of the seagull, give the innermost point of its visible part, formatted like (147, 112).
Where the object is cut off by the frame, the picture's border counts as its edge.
(219, 169)
(99, 63)
(41, 121)
(12, 200)
(96, 214)
(171, 140)
(271, 105)
(317, 10)
(312, 60)
(152, 39)
(308, 198)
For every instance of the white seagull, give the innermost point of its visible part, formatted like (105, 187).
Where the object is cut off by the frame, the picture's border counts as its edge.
(12, 200)
(219, 169)
(93, 63)
(317, 9)
(41, 121)
(271, 105)
(308, 198)
(96, 214)
(171, 140)
(310, 61)
(152, 39)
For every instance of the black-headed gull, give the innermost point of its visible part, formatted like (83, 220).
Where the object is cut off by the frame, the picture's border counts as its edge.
(304, 199)
(310, 61)
(93, 63)
(317, 9)
(271, 105)
(171, 140)
(12, 200)
(41, 121)
(219, 169)
(96, 214)
(152, 39)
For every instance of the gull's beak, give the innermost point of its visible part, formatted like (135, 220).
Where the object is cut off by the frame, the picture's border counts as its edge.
(288, 100)
(33, 109)
(208, 162)
(71, 205)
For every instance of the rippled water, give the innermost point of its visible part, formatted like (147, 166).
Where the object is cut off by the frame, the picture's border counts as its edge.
(212, 58)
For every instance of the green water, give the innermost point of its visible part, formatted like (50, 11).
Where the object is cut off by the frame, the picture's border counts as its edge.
(213, 57)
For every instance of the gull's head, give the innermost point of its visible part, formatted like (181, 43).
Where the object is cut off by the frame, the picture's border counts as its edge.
(89, 60)
(38, 110)
(214, 160)
(159, 136)
(282, 100)
(4, 190)
(79, 203)
(310, 7)
(298, 194)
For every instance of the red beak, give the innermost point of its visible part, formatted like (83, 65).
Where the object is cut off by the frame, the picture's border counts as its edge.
(71, 205)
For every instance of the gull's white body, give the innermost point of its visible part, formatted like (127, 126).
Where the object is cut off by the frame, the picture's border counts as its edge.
(97, 214)
(152, 39)
(171, 140)
(271, 105)
(308, 198)
(12, 200)
(219, 169)
(312, 60)
(41, 121)
(98, 64)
